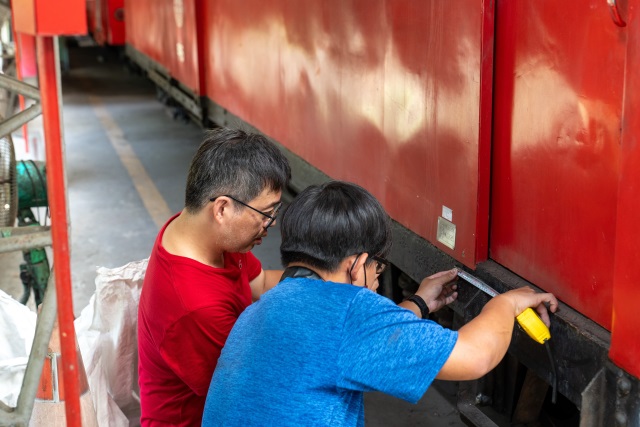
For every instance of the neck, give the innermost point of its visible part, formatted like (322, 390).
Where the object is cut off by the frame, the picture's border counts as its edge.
(300, 271)
(191, 236)
(327, 276)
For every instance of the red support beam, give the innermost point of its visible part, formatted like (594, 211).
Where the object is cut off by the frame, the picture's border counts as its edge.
(48, 80)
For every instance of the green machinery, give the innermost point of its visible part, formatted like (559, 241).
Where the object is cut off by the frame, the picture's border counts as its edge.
(23, 186)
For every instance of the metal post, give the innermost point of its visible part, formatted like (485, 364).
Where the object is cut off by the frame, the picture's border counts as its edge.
(19, 87)
(20, 415)
(25, 241)
(17, 120)
(48, 79)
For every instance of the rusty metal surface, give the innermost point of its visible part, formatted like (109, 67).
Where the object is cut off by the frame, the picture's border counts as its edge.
(611, 399)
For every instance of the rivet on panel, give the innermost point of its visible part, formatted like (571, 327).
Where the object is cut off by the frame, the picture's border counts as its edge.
(621, 418)
(624, 386)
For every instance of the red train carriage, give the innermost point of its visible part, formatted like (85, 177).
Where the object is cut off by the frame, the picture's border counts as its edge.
(501, 136)
(169, 47)
(106, 23)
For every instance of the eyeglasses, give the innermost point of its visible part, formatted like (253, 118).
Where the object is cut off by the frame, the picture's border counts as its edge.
(381, 263)
(271, 217)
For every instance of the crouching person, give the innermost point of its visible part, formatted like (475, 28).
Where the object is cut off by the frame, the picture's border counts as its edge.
(308, 349)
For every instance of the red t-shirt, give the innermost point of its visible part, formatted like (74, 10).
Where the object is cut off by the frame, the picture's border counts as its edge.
(186, 312)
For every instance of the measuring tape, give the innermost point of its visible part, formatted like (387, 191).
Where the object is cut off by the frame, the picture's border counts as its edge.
(528, 319)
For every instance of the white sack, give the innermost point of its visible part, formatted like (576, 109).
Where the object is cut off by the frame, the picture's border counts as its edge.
(107, 335)
(17, 328)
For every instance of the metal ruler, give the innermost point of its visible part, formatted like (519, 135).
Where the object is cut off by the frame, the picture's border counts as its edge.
(477, 283)
(528, 319)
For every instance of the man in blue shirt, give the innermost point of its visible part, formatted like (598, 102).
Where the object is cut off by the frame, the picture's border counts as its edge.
(308, 349)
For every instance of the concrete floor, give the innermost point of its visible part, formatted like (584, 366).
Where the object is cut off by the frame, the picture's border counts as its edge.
(126, 163)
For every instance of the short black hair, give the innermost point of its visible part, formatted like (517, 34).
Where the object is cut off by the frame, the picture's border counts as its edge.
(327, 223)
(237, 163)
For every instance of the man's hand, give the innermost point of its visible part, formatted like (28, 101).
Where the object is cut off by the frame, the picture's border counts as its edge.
(525, 297)
(439, 289)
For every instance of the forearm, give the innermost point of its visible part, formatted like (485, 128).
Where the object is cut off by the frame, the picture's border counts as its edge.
(490, 332)
(482, 342)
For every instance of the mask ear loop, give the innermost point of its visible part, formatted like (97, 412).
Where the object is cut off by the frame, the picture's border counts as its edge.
(364, 267)
(351, 271)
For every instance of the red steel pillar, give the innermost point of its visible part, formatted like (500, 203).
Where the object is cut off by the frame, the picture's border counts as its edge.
(56, 188)
(46, 19)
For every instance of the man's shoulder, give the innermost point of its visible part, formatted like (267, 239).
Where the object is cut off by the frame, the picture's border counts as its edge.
(187, 282)
(314, 287)
(366, 303)
(324, 299)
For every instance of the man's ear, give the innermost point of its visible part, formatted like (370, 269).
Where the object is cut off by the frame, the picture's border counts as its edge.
(219, 209)
(355, 270)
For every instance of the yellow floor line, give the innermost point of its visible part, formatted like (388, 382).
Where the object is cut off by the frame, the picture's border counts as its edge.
(151, 197)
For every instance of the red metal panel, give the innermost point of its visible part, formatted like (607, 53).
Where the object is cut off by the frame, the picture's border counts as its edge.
(558, 94)
(27, 62)
(182, 42)
(146, 28)
(107, 21)
(385, 95)
(625, 345)
(115, 22)
(45, 17)
(91, 16)
(24, 16)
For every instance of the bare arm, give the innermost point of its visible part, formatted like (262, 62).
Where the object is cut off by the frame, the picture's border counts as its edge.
(266, 280)
(483, 342)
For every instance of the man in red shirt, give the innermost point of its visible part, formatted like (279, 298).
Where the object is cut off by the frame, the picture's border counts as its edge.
(201, 273)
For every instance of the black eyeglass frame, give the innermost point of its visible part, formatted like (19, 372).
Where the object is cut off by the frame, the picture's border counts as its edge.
(271, 217)
(381, 263)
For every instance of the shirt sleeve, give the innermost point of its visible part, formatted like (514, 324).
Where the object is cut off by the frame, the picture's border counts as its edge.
(191, 346)
(254, 267)
(387, 348)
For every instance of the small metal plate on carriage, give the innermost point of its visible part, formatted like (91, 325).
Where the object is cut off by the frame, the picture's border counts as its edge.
(446, 233)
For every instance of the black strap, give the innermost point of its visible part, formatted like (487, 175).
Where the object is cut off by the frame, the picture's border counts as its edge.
(300, 272)
(417, 300)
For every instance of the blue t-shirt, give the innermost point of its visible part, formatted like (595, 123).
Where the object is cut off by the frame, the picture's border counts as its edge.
(307, 350)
